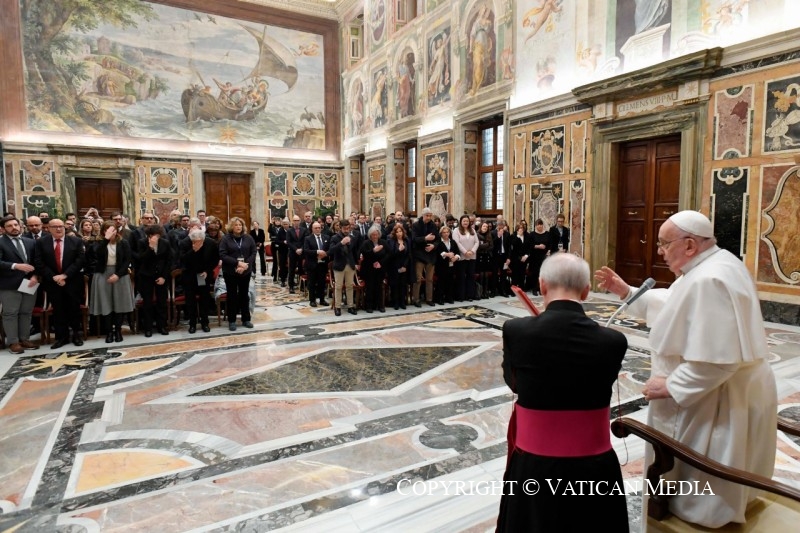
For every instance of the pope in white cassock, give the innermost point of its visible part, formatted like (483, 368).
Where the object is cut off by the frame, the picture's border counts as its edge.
(711, 386)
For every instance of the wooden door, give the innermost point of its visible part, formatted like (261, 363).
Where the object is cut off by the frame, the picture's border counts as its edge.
(103, 193)
(227, 196)
(649, 184)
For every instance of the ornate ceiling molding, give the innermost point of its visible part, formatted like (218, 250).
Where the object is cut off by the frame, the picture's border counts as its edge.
(317, 8)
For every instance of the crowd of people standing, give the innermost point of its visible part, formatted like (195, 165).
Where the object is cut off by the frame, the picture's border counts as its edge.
(423, 260)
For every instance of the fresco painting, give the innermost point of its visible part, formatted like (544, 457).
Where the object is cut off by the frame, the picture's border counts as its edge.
(137, 69)
(782, 116)
(406, 83)
(439, 68)
(481, 51)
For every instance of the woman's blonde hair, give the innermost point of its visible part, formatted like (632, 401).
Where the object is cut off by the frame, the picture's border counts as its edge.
(233, 221)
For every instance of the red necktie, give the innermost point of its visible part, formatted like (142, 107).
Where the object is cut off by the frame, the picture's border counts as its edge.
(58, 255)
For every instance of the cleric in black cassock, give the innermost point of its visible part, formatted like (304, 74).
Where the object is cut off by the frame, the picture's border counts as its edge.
(562, 366)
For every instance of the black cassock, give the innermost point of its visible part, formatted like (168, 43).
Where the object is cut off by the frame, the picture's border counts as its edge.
(562, 364)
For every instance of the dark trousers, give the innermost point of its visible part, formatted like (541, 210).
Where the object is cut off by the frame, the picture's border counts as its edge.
(316, 281)
(154, 302)
(295, 263)
(238, 287)
(283, 263)
(466, 280)
(66, 303)
(373, 288)
(198, 301)
(263, 259)
(445, 283)
(398, 283)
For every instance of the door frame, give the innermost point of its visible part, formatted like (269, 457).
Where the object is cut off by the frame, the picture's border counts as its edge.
(69, 196)
(257, 173)
(689, 121)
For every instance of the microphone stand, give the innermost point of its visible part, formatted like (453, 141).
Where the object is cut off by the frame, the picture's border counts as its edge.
(621, 308)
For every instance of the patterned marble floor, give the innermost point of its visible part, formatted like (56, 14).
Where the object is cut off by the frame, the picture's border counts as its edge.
(308, 422)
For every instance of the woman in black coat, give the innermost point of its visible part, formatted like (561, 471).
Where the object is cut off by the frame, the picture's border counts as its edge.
(237, 251)
(199, 257)
(447, 257)
(520, 251)
(399, 265)
(152, 275)
(540, 244)
(375, 256)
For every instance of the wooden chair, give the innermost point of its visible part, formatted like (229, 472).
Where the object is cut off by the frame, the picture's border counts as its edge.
(777, 509)
(43, 313)
(177, 301)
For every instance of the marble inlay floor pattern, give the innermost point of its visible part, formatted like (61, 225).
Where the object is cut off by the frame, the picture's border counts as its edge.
(307, 422)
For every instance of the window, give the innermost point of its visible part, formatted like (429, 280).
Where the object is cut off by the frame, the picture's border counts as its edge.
(356, 49)
(406, 11)
(411, 181)
(490, 168)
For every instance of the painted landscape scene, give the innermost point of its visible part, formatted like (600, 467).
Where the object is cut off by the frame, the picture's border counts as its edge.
(134, 69)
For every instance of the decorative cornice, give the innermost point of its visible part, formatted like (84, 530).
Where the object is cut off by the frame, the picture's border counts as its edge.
(317, 8)
(670, 73)
(565, 104)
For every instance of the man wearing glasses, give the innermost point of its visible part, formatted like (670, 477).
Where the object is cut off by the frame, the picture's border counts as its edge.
(711, 386)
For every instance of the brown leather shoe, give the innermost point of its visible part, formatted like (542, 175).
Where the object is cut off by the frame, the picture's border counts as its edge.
(16, 348)
(28, 345)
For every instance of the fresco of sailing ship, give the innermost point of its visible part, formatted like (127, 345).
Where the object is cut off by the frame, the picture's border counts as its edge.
(249, 98)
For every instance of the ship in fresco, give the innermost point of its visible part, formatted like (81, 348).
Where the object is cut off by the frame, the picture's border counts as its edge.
(246, 101)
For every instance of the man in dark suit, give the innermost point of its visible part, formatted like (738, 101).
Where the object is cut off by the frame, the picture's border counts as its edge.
(34, 225)
(344, 251)
(501, 240)
(258, 235)
(16, 265)
(559, 236)
(315, 252)
(295, 237)
(59, 262)
(424, 238)
(559, 432)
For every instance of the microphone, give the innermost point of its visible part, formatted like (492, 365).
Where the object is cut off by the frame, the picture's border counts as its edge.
(648, 284)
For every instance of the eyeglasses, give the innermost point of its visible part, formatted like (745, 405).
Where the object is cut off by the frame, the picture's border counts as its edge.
(663, 245)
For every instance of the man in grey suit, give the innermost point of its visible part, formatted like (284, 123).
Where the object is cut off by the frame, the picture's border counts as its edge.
(16, 267)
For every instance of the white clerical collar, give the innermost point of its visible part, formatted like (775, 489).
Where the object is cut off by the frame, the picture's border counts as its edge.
(699, 258)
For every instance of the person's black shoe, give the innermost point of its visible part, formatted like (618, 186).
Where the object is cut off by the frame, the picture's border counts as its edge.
(192, 329)
(59, 343)
(206, 328)
(77, 340)
(352, 310)
(402, 306)
(396, 307)
(118, 336)
(283, 283)
(148, 333)
(323, 303)
(291, 290)
(382, 309)
(313, 304)
(110, 337)
(431, 304)
(337, 312)
(163, 331)
(368, 310)
(418, 303)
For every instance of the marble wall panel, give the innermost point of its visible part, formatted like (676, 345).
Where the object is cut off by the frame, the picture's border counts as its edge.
(162, 187)
(399, 185)
(438, 203)
(518, 207)
(546, 201)
(781, 122)
(577, 217)
(304, 184)
(547, 151)
(471, 179)
(779, 246)
(287, 190)
(8, 181)
(733, 122)
(520, 144)
(437, 169)
(377, 179)
(730, 198)
(578, 146)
